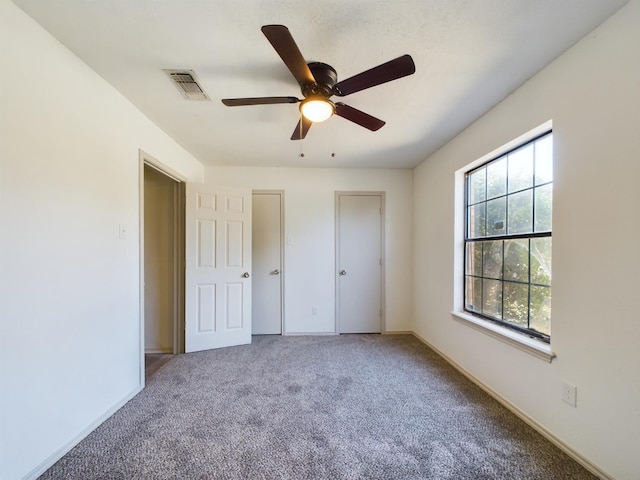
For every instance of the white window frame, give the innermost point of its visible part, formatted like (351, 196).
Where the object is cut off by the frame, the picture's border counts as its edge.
(514, 338)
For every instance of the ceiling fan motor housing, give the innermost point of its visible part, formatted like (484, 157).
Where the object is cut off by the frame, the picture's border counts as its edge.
(326, 77)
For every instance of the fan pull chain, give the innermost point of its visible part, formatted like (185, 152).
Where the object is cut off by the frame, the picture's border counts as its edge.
(333, 141)
(301, 139)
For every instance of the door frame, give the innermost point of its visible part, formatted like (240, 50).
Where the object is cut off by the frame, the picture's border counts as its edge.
(383, 309)
(280, 193)
(178, 256)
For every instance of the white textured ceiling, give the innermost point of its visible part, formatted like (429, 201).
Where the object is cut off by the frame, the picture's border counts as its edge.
(469, 54)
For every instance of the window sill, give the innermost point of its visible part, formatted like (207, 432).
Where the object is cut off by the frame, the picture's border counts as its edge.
(534, 347)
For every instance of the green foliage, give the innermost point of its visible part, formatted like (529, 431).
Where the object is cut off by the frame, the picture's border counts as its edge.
(512, 277)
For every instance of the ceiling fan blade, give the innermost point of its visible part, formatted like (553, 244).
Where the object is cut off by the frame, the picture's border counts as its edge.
(356, 116)
(392, 70)
(283, 43)
(301, 129)
(237, 102)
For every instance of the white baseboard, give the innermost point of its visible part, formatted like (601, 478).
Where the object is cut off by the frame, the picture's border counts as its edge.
(523, 416)
(62, 451)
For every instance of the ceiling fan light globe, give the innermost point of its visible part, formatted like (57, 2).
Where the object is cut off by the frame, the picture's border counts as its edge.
(317, 109)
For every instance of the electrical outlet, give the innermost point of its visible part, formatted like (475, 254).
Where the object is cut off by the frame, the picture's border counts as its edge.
(314, 311)
(569, 393)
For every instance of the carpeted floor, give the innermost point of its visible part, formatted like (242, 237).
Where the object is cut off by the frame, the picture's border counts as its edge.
(333, 407)
(153, 361)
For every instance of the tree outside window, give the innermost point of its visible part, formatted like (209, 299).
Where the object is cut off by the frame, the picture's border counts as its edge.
(508, 238)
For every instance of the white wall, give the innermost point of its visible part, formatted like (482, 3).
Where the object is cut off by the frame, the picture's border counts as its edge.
(592, 94)
(309, 261)
(69, 294)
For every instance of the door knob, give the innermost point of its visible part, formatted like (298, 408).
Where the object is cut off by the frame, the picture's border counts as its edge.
(343, 272)
(275, 272)
(245, 274)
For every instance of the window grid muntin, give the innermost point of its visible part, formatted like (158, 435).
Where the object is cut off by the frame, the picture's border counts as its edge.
(506, 322)
(509, 194)
(503, 238)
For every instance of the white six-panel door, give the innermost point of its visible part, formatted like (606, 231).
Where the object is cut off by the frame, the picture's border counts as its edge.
(218, 267)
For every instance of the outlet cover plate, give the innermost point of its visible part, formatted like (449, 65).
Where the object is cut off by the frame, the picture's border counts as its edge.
(569, 393)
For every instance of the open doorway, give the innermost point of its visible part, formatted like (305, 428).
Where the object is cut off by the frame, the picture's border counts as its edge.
(162, 265)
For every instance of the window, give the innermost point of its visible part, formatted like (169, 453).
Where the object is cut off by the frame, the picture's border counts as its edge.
(507, 261)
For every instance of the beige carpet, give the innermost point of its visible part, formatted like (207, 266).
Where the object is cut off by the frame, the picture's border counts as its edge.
(332, 407)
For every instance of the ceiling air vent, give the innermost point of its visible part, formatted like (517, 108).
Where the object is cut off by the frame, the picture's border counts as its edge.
(187, 83)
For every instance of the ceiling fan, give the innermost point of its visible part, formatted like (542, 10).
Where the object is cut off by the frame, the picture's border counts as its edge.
(319, 81)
